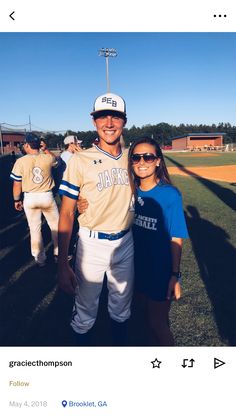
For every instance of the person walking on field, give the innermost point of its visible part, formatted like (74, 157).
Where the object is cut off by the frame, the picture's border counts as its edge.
(32, 175)
(105, 243)
(159, 228)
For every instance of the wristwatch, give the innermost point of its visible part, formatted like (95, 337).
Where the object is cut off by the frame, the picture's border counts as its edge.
(177, 274)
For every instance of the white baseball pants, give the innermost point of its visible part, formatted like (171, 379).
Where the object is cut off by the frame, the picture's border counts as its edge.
(36, 204)
(94, 257)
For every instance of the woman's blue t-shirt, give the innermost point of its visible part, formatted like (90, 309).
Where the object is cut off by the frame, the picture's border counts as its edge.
(159, 216)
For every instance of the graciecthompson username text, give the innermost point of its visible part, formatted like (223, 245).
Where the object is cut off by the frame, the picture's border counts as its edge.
(40, 363)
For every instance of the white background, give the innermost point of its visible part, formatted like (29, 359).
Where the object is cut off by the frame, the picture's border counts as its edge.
(116, 16)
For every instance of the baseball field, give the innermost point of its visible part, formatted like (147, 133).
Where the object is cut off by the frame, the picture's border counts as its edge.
(33, 312)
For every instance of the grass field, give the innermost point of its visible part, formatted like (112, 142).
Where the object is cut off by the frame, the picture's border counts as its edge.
(200, 159)
(206, 315)
(34, 312)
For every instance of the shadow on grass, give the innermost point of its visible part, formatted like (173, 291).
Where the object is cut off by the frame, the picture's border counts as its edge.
(34, 312)
(226, 195)
(15, 246)
(51, 327)
(216, 259)
(7, 210)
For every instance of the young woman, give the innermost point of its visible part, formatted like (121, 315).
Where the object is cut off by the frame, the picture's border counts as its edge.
(159, 227)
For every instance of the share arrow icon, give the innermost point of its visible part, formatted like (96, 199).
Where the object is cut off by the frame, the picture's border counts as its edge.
(218, 363)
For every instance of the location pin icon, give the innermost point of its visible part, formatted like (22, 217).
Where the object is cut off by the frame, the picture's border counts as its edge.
(64, 403)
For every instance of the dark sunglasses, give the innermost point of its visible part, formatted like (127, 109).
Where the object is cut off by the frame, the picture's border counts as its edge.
(147, 157)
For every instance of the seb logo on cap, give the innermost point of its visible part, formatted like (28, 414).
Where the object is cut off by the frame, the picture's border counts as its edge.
(110, 101)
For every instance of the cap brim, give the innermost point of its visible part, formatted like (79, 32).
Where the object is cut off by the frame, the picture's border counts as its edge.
(102, 112)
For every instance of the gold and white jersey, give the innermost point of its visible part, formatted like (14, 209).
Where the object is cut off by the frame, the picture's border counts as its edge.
(34, 171)
(103, 180)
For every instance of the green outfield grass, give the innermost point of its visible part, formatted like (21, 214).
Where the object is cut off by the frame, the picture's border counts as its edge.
(206, 315)
(193, 160)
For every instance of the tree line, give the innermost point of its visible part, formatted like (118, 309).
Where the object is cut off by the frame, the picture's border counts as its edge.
(163, 133)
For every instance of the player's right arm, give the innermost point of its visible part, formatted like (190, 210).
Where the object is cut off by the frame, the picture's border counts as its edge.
(17, 190)
(69, 190)
(66, 276)
(16, 177)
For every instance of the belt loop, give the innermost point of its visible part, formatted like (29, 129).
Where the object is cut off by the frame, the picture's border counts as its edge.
(90, 233)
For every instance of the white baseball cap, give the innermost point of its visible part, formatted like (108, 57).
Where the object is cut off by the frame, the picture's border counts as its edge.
(71, 139)
(109, 102)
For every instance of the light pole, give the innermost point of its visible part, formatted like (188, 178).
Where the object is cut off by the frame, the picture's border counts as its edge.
(107, 52)
(1, 143)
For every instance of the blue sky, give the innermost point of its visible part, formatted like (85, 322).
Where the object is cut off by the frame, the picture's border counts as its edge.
(164, 77)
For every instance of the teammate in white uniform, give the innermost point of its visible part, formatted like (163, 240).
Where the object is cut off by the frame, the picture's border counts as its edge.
(32, 175)
(105, 242)
(72, 145)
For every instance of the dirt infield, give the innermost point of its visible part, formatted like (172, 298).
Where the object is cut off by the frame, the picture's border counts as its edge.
(222, 173)
(201, 155)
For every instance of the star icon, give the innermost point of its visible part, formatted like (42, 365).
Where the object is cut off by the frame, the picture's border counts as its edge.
(156, 363)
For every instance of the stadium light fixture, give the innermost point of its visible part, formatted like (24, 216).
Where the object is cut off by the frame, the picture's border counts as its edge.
(1, 142)
(107, 53)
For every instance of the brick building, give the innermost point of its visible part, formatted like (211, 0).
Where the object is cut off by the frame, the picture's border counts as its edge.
(11, 141)
(198, 141)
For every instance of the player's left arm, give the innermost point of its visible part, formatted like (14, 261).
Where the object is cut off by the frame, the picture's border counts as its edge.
(174, 289)
(17, 191)
(45, 150)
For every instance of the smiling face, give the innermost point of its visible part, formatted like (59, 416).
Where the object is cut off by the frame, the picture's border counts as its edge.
(142, 169)
(109, 129)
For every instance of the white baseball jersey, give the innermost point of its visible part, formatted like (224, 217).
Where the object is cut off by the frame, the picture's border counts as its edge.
(103, 180)
(34, 171)
(66, 156)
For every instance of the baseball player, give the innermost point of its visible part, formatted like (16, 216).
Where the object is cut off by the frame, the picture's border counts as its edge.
(105, 243)
(32, 175)
(72, 145)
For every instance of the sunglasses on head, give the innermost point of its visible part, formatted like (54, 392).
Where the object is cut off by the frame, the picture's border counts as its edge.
(147, 157)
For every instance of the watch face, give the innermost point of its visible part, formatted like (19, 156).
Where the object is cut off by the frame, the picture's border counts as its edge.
(177, 275)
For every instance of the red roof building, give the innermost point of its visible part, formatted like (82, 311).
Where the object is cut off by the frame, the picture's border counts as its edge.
(198, 141)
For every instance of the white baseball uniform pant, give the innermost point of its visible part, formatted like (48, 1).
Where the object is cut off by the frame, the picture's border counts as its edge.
(36, 204)
(94, 258)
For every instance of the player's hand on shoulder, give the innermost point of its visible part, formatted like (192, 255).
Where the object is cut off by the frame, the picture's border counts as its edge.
(66, 279)
(82, 204)
(77, 148)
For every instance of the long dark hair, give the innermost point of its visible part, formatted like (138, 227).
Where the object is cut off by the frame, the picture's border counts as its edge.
(161, 172)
